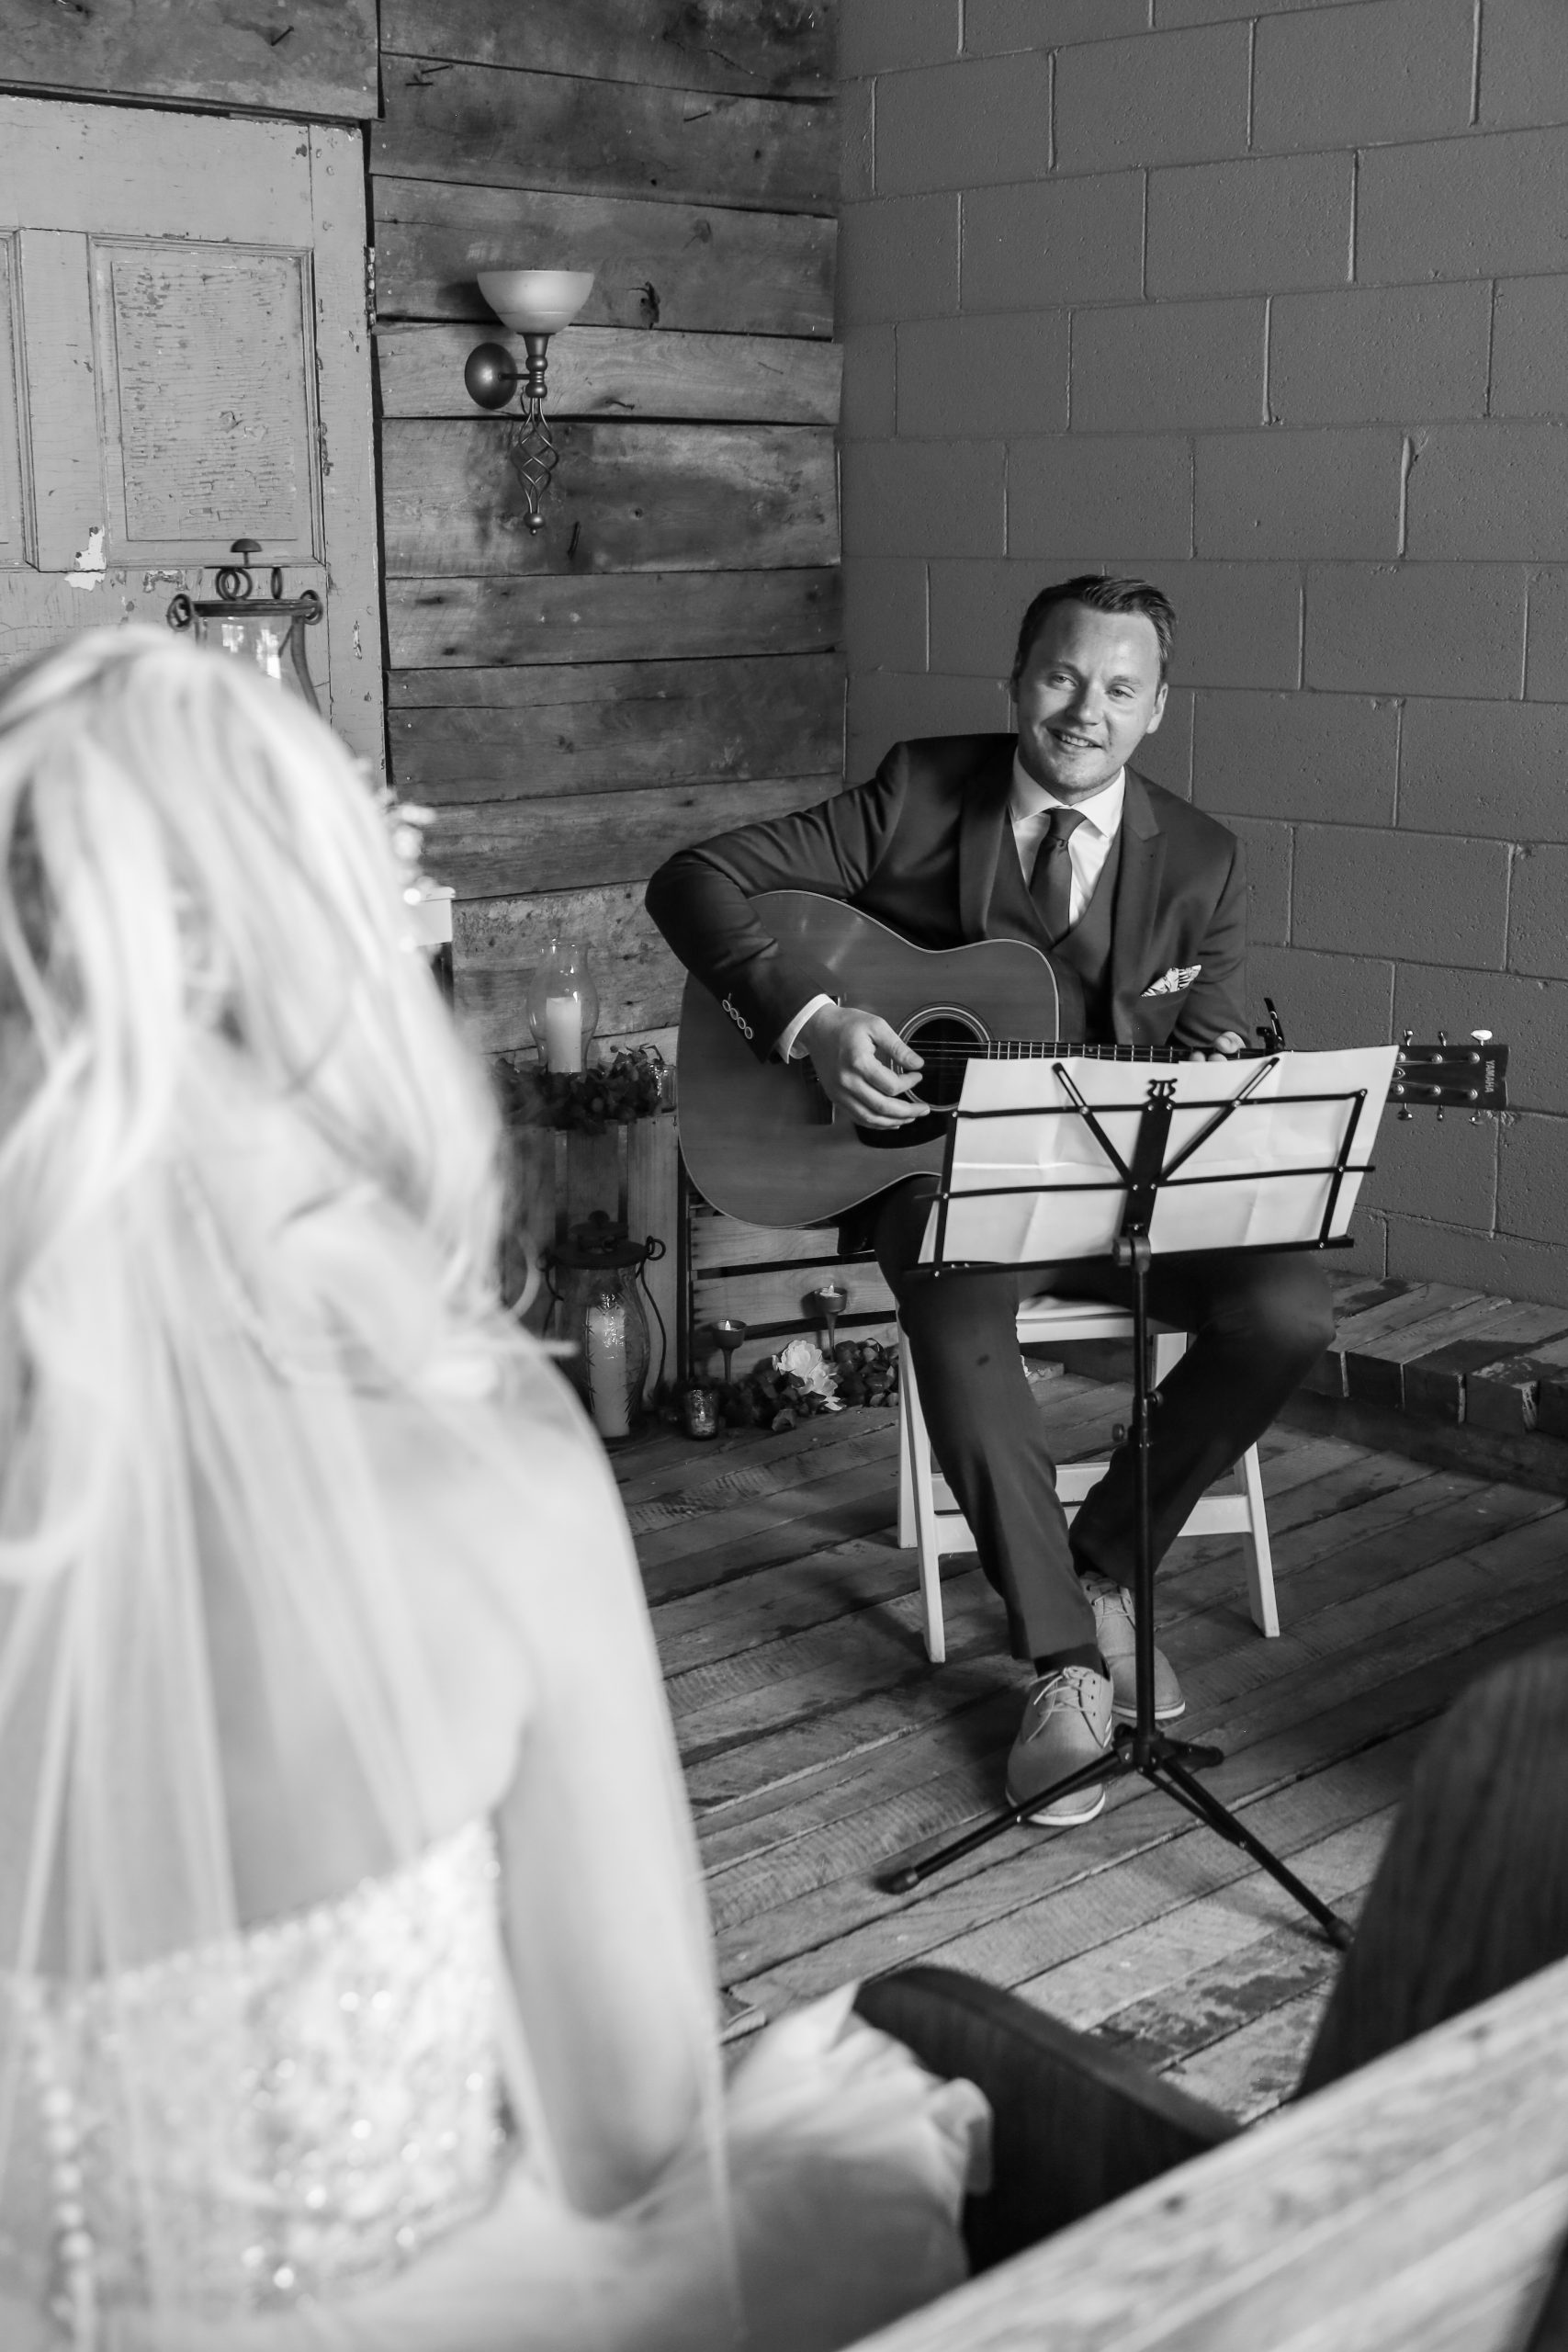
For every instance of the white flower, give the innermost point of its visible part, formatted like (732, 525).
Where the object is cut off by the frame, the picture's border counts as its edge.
(805, 1362)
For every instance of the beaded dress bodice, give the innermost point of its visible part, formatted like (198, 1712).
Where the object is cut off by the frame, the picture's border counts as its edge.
(362, 2121)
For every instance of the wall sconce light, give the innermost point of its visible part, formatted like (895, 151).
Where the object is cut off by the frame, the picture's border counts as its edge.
(536, 304)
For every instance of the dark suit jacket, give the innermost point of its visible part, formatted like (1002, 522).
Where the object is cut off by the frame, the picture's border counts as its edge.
(918, 848)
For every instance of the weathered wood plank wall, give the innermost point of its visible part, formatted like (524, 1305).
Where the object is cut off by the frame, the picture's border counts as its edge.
(663, 659)
(304, 57)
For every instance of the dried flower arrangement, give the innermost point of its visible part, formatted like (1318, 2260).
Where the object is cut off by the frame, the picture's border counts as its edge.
(801, 1381)
(629, 1086)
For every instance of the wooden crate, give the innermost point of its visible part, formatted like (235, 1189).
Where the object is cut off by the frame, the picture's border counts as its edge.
(763, 1276)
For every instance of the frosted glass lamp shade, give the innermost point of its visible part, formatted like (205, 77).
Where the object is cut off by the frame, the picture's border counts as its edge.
(537, 301)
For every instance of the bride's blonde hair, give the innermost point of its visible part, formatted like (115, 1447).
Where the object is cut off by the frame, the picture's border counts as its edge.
(194, 873)
(208, 1000)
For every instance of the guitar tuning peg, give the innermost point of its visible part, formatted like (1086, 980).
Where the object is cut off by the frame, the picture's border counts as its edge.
(1482, 1036)
(1405, 1112)
(1407, 1040)
(1442, 1037)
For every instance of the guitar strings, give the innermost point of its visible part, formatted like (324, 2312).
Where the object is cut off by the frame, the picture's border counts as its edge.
(1032, 1049)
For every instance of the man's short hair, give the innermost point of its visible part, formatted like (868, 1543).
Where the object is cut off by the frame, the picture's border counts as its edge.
(1102, 596)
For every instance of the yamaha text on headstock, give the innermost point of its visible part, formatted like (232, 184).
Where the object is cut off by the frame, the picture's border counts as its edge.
(763, 1142)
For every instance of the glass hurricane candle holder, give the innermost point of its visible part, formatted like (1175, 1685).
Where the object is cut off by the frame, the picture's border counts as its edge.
(563, 1006)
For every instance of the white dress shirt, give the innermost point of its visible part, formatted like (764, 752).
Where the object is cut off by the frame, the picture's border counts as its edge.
(1089, 844)
(1029, 807)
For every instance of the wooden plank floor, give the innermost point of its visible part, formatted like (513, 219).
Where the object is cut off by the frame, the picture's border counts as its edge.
(817, 1740)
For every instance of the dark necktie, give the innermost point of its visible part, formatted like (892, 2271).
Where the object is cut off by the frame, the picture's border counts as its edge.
(1051, 884)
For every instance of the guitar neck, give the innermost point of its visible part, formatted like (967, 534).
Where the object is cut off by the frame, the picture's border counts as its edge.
(1035, 1049)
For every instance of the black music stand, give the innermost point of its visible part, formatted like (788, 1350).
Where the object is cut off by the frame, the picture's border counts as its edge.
(1316, 1194)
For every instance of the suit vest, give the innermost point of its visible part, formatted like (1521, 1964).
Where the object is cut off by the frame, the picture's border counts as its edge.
(1086, 949)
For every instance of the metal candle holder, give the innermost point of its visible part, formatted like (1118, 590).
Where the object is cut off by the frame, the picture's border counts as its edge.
(829, 1302)
(729, 1334)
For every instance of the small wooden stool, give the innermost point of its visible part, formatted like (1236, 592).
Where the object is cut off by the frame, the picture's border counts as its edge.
(932, 1521)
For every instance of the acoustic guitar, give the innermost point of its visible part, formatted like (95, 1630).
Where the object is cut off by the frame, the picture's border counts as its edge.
(763, 1142)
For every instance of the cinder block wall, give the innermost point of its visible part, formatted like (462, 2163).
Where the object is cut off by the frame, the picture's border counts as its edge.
(1268, 301)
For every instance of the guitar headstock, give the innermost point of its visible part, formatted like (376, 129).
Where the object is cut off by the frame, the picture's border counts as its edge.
(1467, 1076)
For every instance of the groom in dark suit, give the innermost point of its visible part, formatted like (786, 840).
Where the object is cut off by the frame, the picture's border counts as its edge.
(1047, 836)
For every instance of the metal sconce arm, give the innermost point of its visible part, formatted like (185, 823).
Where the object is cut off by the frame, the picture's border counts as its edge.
(492, 375)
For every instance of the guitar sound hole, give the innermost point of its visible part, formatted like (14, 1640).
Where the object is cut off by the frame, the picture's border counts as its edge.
(944, 1041)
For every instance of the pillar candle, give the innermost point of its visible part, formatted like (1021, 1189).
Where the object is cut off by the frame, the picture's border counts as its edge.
(604, 1336)
(563, 1033)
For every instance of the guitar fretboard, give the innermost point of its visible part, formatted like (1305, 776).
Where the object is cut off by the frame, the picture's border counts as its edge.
(1034, 1049)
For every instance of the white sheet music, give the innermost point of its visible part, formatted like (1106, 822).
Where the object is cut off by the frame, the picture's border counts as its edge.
(1044, 1142)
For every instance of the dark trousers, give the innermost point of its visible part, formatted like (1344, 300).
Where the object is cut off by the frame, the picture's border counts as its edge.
(1471, 1897)
(1259, 1322)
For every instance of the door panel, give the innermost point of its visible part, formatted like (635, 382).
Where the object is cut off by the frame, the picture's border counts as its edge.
(203, 390)
(184, 299)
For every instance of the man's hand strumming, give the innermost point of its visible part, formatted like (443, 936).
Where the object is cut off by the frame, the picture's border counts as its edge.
(863, 1065)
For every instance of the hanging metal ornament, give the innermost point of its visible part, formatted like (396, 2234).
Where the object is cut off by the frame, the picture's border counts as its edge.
(490, 377)
(267, 631)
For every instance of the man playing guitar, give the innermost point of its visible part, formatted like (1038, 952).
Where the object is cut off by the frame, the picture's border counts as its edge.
(1047, 836)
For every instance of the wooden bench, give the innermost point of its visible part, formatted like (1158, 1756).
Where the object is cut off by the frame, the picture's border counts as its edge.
(1417, 2205)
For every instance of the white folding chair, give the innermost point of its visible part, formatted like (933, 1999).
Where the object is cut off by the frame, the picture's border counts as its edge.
(931, 1521)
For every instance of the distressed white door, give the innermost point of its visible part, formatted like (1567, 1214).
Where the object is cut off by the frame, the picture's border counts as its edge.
(184, 362)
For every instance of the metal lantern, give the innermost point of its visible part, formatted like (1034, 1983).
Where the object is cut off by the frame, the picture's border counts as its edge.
(267, 631)
(594, 1276)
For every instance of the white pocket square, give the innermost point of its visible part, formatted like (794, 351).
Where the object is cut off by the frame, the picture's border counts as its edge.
(1171, 983)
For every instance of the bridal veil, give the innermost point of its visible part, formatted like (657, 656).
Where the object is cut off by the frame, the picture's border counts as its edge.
(302, 1546)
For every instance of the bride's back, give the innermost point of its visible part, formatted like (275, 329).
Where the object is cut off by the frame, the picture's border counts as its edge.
(308, 2104)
